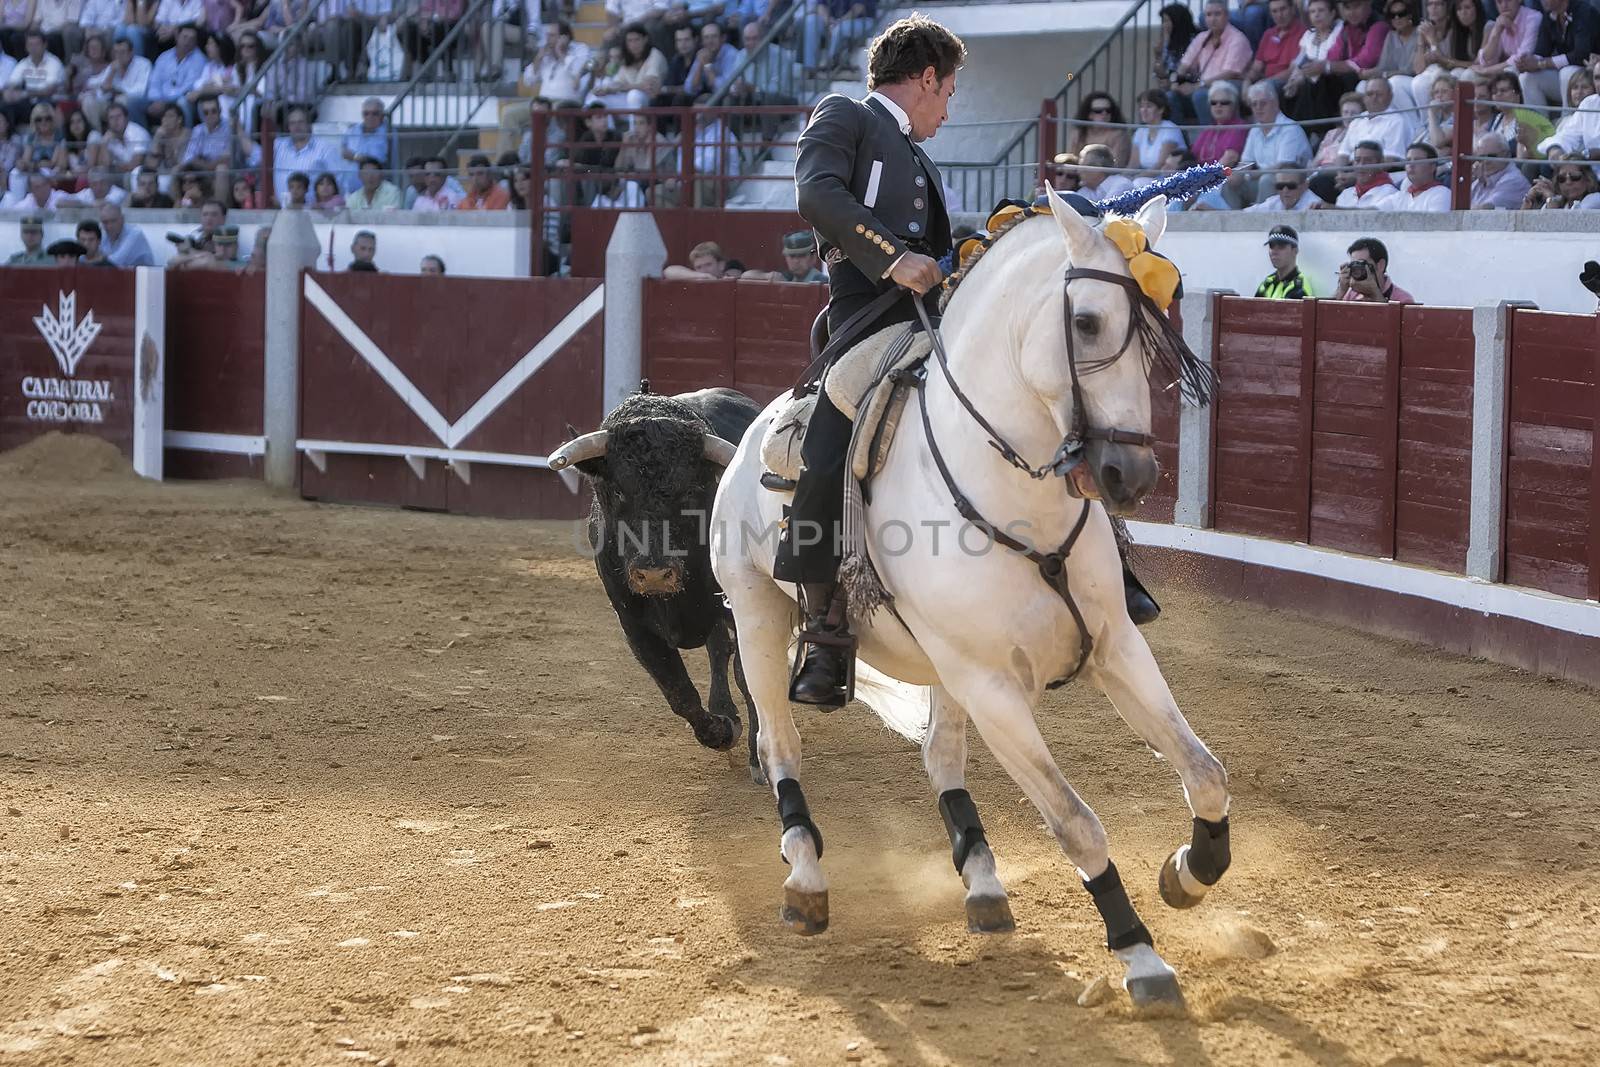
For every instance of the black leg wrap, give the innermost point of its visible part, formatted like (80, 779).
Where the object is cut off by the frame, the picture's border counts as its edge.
(793, 811)
(961, 822)
(1123, 928)
(1208, 851)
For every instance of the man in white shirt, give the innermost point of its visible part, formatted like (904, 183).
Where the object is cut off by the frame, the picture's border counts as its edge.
(124, 245)
(620, 13)
(125, 143)
(1098, 182)
(560, 72)
(436, 193)
(1292, 194)
(1422, 190)
(39, 198)
(1392, 131)
(299, 152)
(126, 78)
(170, 14)
(1373, 191)
(1496, 185)
(100, 190)
(37, 77)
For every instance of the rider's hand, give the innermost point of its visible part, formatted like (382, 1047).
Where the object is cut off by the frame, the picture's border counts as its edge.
(917, 273)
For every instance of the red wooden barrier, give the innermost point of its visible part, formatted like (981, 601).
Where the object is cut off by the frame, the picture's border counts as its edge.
(751, 336)
(1434, 480)
(1261, 472)
(215, 367)
(1549, 476)
(77, 384)
(755, 238)
(451, 343)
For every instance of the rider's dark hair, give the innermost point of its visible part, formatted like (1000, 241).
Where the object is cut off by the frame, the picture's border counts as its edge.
(909, 47)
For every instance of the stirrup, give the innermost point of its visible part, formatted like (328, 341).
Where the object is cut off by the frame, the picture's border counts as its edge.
(842, 640)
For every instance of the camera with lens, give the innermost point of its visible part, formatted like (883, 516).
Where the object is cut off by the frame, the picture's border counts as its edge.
(1591, 277)
(183, 242)
(1357, 269)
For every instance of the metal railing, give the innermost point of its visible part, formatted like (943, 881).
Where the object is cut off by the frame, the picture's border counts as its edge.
(777, 75)
(450, 103)
(290, 75)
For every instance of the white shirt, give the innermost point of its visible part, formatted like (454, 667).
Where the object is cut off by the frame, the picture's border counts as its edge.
(177, 12)
(22, 200)
(37, 77)
(895, 111)
(446, 200)
(7, 65)
(1111, 185)
(1434, 198)
(114, 195)
(127, 149)
(561, 79)
(132, 82)
(1377, 198)
(628, 195)
(1275, 203)
(631, 11)
(1391, 130)
(315, 158)
(1578, 131)
(101, 14)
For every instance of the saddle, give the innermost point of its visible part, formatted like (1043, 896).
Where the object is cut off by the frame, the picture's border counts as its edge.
(869, 384)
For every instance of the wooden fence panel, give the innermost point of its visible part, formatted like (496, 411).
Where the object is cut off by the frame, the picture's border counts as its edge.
(772, 344)
(216, 355)
(689, 335)
(1433, 496)
(1354, 425)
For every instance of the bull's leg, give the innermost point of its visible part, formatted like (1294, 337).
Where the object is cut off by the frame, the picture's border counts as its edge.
(665, 665)
(1003, 714)
(1127, 672)
(944, 754)
(766, 623)
(720, 651)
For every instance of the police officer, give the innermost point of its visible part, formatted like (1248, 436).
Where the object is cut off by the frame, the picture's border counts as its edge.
(1286, 282)
(874, 198)
(33, 253)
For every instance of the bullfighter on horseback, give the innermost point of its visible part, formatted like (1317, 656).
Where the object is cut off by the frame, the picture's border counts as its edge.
(877, 203)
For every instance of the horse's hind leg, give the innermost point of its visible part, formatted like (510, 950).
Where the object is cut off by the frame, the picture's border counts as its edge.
(765, 623)
(1003, 714)
(1127, 672)
(944, 754)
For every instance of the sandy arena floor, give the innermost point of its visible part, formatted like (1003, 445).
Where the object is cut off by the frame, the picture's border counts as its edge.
(284, 783)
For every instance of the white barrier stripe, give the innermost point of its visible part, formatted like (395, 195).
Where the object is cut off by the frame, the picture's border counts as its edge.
(351, 448)
(233, 444)
(367, 350)
(527, 366)
(1580, 617)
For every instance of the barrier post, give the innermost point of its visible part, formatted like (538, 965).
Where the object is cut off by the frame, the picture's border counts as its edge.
(291, 249)
(149, 371)
(1196, 425)
(1460, 170)
(1047, 139)
(1491, 330)
(636, 252)
(537, 182)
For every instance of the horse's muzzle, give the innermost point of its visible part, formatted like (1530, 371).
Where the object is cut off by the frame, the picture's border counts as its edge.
(1124, 474)
(656, 581)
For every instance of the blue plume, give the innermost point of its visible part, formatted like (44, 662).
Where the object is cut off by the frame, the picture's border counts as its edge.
(1181, 186)
(947, 262)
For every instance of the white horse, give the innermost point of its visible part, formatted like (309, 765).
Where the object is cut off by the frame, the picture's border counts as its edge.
(982, 633)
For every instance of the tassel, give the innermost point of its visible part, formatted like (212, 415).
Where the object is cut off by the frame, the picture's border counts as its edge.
(1184, 185)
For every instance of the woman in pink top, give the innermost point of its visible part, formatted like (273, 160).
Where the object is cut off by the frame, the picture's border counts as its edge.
(1222, 141)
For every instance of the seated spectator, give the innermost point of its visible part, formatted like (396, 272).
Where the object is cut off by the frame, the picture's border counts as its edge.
(88, 234)
(171, 139)
(1223, 141)
(171, 16)
(299, 152)
(675, 84)
(1391, 130)
(1311, 90)
(175, 73)
(1096, 175)
(1334, 151)
(713, 64)
(295, 78)
(147, 190)
(555, 134)
(242, 193)
(1569, 36)
(560, 70)
(436, 193)
(211, 140)
(1360, 46)
(630, 13)
(33, 253)
(220, 75)
(1156, 135)
(102, 17)
(1064, 176)
(1287, 281)
(1422, 190)
(635, 84)
(38, 78)
(369, 138)
(1496, 184)
(767, 81)
(800, 261)
(1373, 190)
(122, 145)
(100, 190)
(484, 189)
(298, 191)
(1371, 280)
(1099, 121)
(432, 265)
(1279, 46)
(88, 64)
(124, 245)
(39, 197)
(1251, 18)
(1441, 115)
(65, 252)
(1449, 47)
(425, 32)
(1219, 56)
(384, 53)
(364, 248)
(706, 263)
(1275, 142)
(1572, 187)
(1402, 48)
(614, 194)
(78, 146)
(194, 187)
(375, 193)
(593, 151)
(1522, 128)
(1291, 194)
(1578, 132)
(1177, 32)
(223, 254)
(325, 194)
(125, 81)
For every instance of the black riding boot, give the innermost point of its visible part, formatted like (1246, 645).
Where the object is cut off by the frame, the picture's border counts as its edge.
(829, 648)
(1142, 607)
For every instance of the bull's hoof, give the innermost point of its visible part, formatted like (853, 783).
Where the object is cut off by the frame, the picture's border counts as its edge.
(989, 915)
(1157, 993)
(1171, 885)
(718, 732)
(805, 913)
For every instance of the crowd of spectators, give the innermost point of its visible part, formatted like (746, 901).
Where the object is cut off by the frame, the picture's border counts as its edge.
(1351, 104)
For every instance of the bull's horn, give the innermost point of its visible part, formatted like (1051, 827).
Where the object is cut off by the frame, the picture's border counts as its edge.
(719, 451)
(587, 446)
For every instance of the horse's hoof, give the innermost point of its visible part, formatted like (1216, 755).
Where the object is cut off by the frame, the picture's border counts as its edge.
(758, 776)
(721, 733)
(1171, 885)
(1156, 992)
(989, 915)
(805, 913)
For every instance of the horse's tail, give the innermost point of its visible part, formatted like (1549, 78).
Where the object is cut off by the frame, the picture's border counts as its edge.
(904, 708)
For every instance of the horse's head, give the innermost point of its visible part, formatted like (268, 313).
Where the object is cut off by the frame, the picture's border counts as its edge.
(1084, 356)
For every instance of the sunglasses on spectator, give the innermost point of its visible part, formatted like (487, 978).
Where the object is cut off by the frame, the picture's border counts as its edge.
(1399, 13)
(1569, 176)
(1222, 103)
(1284, 187)
(1100, 109)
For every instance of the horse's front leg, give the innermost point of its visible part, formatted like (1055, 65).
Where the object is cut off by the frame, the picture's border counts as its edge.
(944, 754)
(1126, 671)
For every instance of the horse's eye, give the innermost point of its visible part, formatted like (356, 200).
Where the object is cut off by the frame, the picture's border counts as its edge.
(1086, 324)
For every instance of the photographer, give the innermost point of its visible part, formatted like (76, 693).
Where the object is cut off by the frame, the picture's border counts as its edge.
(1589, 278)
(202, 242)
(1366, 275)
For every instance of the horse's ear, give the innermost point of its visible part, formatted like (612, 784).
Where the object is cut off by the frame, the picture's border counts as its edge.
(1078, 230)
(1152, 218)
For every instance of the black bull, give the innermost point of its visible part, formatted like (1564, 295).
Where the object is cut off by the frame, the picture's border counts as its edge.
(653, 465)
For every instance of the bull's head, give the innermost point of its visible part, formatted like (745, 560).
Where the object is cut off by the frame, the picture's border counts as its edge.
(653, 480)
